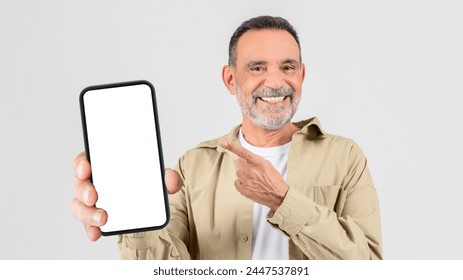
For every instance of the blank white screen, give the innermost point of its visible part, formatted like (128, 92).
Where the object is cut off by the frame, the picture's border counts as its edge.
(124, 156)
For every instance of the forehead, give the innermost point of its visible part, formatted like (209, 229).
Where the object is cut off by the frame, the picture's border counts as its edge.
(266, 45)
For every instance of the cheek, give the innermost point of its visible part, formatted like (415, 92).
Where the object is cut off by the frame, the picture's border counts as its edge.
(296, 85)
(250, 83)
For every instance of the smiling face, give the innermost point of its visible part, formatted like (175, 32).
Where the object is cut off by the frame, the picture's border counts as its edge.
(268, 77)
(269, 108)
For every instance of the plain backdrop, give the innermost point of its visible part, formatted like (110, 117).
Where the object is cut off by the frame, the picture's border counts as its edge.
(388, 74)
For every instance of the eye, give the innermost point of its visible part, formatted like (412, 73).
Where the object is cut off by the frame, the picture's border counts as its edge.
(288, 67)
(256, 68)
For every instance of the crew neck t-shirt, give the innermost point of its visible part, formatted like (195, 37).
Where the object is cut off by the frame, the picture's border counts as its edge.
(268, 243)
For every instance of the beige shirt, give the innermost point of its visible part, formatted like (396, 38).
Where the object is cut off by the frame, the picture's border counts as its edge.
(331, 210)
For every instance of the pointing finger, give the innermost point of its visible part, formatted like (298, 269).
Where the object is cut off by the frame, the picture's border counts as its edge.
(240, 151)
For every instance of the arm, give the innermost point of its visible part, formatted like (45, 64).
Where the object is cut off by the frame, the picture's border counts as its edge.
(351, 231)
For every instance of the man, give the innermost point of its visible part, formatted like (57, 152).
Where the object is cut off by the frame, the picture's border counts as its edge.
(270, 189)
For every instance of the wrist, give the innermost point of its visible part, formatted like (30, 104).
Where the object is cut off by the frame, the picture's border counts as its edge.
(279, 198)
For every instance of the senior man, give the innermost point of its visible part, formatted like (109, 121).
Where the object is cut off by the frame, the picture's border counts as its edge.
(270, 188)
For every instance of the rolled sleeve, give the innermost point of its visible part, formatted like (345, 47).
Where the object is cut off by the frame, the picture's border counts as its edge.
(290, 217)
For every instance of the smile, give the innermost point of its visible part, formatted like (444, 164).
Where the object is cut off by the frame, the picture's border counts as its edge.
(273, 99)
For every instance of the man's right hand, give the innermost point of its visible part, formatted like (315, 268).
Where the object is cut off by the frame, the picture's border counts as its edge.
(85, 196)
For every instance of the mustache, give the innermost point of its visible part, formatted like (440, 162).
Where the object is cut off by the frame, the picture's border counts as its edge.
(271, 92)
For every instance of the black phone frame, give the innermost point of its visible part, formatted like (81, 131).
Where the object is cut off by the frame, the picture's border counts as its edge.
(158, 138)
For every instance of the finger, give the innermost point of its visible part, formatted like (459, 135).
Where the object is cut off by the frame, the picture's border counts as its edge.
(239, 186)
(173, 181)
(241, 164)
(240, 174)
(93, 233)
(240, 151)
(81, 166)
(88, 215)
(85, 192)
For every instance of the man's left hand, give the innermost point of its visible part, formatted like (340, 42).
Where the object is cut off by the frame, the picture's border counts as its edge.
(257, 178)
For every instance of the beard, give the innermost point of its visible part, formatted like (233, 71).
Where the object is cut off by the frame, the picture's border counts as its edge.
(270, 117)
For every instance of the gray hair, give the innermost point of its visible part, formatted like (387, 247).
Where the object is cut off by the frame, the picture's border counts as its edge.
(259, 23)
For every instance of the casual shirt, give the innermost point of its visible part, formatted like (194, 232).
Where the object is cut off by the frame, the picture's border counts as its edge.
(330, 211)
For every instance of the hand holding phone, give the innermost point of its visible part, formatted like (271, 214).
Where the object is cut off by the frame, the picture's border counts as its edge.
(123, 146)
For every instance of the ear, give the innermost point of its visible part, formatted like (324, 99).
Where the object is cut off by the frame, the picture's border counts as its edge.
(302, 72)
(228, 79)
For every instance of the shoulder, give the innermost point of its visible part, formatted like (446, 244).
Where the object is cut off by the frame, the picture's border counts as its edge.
(312, 133)
(325, 145)
(345, 143)
(210, 150)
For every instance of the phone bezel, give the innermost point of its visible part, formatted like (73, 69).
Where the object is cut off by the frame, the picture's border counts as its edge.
(158, 138)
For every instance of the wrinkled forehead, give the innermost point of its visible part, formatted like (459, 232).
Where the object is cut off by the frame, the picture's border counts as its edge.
(267, 45)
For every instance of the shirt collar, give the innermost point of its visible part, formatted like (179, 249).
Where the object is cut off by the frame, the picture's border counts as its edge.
(310, 127)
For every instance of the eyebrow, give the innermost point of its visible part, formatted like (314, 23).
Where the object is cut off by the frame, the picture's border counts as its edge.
(255, 62)
(291, 61)
(263, 62)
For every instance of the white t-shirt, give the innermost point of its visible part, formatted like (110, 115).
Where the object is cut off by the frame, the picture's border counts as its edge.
(267, 242)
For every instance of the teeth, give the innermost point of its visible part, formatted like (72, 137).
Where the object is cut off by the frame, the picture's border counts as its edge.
(273, 99)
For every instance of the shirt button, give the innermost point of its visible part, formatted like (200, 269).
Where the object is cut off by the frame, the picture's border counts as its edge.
(244, 238)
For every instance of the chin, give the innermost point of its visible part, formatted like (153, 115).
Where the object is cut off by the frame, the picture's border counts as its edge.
(271, 125)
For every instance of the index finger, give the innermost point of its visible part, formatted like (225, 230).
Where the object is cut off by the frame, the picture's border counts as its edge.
(240, 151)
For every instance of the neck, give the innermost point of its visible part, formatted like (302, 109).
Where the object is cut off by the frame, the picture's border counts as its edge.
(260, 137)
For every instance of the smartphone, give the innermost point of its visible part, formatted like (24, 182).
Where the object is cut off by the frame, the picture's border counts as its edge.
(123, 145)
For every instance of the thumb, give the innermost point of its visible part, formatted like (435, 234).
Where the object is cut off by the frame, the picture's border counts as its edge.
(173, 181)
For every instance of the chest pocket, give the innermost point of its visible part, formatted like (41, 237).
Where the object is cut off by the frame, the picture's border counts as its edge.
(332, 197)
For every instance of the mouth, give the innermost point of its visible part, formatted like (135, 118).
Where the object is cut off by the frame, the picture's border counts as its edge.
(274, 99)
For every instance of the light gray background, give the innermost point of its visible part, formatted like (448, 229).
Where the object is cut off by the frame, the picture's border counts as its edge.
(385, 73)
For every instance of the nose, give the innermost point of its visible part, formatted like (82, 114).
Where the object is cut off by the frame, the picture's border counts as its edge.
(274, 79)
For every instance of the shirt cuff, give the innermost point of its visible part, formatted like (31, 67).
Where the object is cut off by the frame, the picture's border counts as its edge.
(293, 213)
